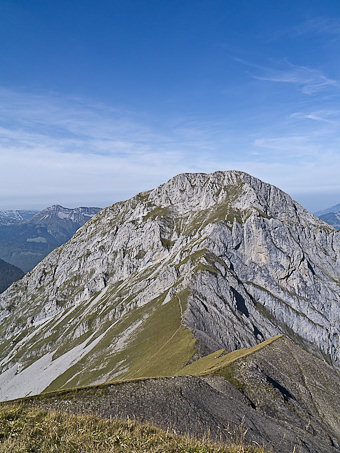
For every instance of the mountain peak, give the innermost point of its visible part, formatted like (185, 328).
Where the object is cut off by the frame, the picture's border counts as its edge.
(201, 263)
(189, 192)
(76, 215)
(54, 207)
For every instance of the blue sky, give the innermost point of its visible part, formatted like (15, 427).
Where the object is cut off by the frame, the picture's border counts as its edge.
(103, 99)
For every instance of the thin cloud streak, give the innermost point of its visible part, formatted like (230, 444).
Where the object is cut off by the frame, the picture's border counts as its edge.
(331, 117)
(287, 144)
(308, 80)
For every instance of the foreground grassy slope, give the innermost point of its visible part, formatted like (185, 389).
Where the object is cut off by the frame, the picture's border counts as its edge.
(24, 430)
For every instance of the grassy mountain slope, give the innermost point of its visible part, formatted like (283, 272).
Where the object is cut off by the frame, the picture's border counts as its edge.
(218, 360)
(156, 344)
(281, 396)
(25, 245)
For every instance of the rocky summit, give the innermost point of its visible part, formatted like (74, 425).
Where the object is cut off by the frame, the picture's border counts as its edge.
(202, 263)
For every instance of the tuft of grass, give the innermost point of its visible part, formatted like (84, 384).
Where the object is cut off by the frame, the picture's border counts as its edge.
(33, 430)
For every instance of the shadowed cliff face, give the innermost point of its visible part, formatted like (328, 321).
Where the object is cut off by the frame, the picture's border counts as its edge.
(200, 263)
(8, 275)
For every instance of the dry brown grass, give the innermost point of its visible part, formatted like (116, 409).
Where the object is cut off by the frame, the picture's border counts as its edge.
(40, 431)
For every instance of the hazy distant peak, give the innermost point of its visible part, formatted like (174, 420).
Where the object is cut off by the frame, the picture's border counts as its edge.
(331, 216)
(335, 208)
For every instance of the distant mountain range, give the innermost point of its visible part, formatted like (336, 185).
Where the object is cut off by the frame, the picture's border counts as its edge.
(26, 237)
(331, 216)
(15, 216)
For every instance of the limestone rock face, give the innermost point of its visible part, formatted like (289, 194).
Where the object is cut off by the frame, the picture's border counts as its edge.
(202, 262)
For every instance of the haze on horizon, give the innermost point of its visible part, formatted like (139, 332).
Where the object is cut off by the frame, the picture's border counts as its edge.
(101, 100)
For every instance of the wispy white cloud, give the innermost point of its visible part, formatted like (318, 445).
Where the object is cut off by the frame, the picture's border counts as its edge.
(54, 149)
(305, 163)
(59, 150)
(308, 80)
(331, 117)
